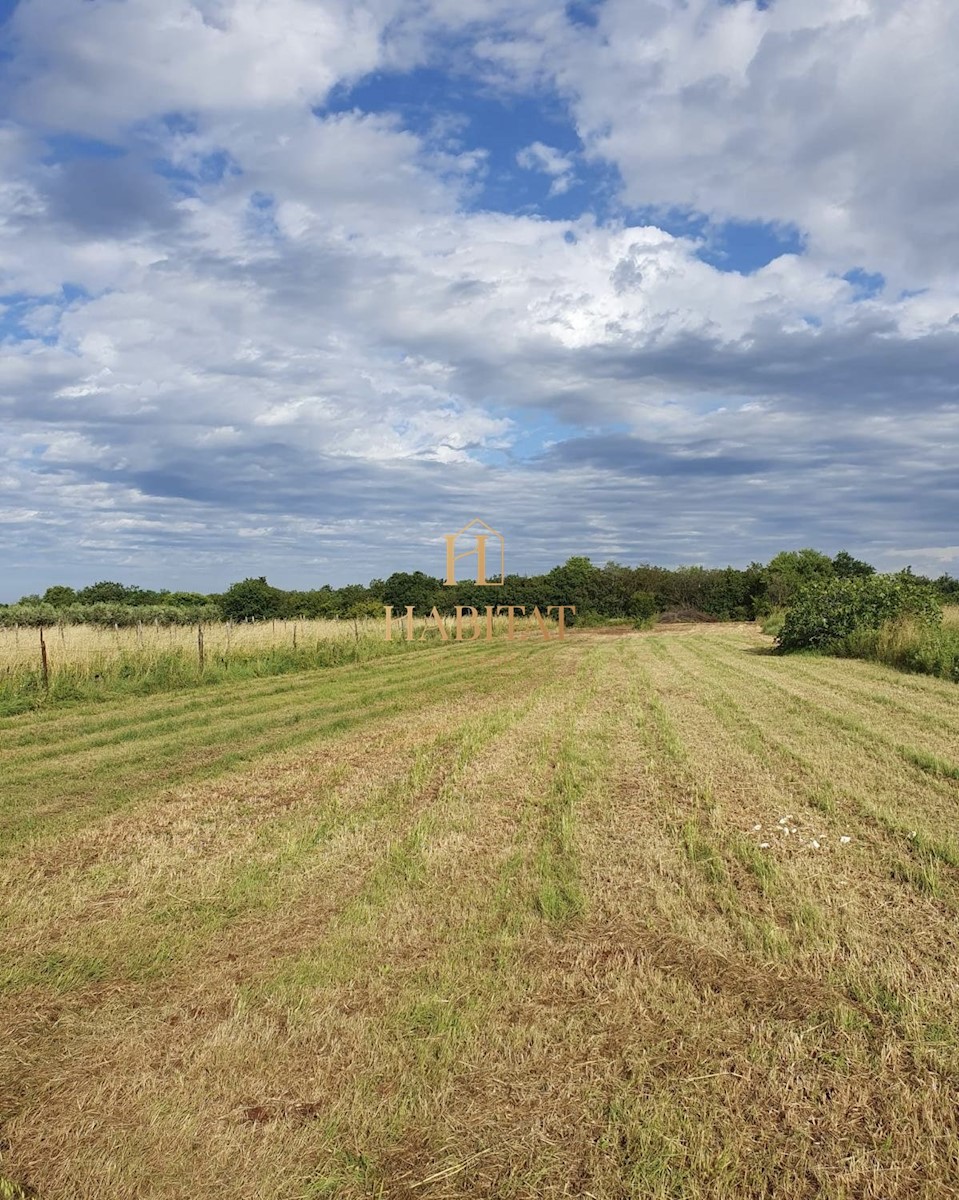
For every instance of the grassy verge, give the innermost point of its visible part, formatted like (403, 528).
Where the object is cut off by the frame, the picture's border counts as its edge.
(129, 673)
(910, 646)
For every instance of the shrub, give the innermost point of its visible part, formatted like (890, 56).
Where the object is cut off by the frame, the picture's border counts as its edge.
(643, 606)
(826, 612)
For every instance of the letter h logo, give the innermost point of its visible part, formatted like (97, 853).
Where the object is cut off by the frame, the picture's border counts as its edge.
(452, 558)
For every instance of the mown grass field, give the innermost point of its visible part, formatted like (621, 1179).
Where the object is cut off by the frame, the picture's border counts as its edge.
(490, 920)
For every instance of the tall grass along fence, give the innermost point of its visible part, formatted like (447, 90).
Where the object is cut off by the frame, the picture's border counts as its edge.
(41, 664)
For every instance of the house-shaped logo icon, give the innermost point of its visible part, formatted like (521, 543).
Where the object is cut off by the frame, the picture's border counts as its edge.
(481, 532)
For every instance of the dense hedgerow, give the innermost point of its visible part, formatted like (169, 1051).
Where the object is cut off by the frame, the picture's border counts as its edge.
(827, 612)
(107, 614)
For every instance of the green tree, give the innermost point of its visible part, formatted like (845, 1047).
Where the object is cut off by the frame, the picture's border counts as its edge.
(846, 567)
(948, 588)
(186, 599)
(791, 570)
(109, 592)
(420, 590)
(575, 582)
(252, 598)
(59, 596)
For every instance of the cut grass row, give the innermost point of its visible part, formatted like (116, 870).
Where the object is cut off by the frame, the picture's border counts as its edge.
(160, 719)
(914, 812)
(52, 724)
(69, 789)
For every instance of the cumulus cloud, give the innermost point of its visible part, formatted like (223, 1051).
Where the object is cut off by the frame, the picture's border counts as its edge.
(839, 116)
(548, 160)
(101, 66)
(236, 320)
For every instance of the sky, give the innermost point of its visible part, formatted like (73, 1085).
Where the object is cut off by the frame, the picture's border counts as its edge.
(296, 287)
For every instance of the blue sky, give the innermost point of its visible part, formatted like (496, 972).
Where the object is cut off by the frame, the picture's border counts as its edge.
(295, 287)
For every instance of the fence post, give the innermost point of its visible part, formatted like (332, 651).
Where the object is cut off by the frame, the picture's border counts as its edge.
(43, 660)
(199, 644)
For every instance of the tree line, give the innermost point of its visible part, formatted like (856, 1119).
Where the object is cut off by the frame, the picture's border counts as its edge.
(613, 591)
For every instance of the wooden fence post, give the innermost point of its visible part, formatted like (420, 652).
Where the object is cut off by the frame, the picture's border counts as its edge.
(43, 660)
(199, 644)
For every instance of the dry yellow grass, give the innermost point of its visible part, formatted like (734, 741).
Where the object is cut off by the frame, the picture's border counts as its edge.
(91, 647)
(83, 662)
(498, 924)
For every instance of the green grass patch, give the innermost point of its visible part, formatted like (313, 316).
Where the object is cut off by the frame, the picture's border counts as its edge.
(702, 854)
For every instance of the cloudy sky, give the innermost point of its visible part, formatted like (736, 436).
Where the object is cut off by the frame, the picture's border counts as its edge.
(293, 287)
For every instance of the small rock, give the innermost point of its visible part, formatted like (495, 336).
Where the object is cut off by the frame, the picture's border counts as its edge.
(763, 845)
(844, 840)
(756, 828)
(814, 844)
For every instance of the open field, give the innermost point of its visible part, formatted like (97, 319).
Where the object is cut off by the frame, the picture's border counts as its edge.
(516, 919)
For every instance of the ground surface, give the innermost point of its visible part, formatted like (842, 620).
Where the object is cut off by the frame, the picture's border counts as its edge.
(488, 921)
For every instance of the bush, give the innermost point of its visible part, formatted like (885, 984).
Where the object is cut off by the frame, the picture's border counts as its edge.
(643, 607)
(827, 612)
(586, 620)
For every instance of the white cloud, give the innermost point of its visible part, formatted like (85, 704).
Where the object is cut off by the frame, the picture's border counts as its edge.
(539, 157)
(100, 66)
(841, 116)
(329, 332)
